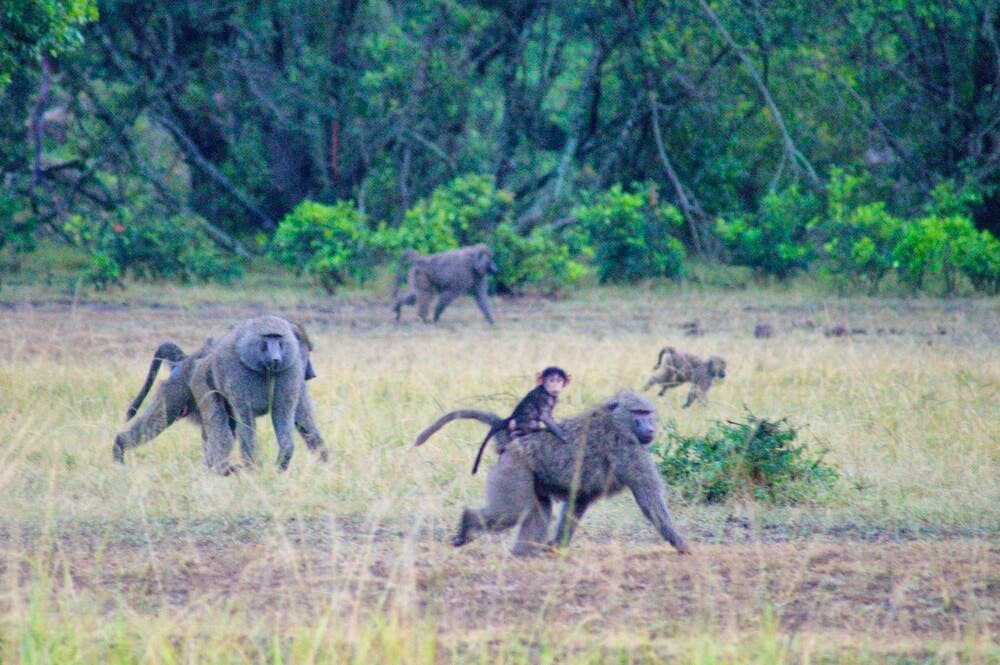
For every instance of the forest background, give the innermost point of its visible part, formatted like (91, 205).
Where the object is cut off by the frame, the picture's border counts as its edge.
(612, 140)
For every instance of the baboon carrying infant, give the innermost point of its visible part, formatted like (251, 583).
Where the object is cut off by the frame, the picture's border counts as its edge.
(605, 453)
(451, 274)
(676, 368)
(260, 367)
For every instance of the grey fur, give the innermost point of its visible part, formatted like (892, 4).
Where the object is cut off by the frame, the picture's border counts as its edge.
(605, 454)
(676, 368)
(447, 275)
(173, 399)
(258, 368)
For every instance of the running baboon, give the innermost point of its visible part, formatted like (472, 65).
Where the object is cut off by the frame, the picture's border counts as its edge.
(676, 368)
(258, 368)
(606, 453)
(450, 274)
(174, 400)
(533, 411)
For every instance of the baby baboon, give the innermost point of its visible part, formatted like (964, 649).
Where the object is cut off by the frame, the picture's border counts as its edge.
(174, 400)
(450, 274)
(533, 411)
(606, 453)
(258, 368)
(171, 401)
(676, 368)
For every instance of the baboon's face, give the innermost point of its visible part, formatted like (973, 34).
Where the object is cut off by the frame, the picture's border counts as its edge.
(272, 349)
(638, 417)
(484, 262)
(717, 367)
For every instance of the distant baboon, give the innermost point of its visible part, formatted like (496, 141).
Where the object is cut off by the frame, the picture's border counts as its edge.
(258, 368)
(676, 368)
(450, 274)
(533, 411)
(606, 453)
(763, 331)
(174, 400)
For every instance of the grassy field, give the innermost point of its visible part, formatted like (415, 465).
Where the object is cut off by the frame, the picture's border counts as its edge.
(158, 561)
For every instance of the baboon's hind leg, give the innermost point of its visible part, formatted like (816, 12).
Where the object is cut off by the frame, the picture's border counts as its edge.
(510, 496)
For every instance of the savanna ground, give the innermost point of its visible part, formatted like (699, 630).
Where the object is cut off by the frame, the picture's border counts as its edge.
(158, 561)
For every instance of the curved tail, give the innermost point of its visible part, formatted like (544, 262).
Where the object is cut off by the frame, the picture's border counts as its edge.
(168, 351)
(485, 417)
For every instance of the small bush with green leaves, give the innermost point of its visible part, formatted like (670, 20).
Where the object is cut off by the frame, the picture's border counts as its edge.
(756, 458)
(978, 257)
(539, 261)
(860, 238)
(631, 234)
(462, 212)
(775, 241)
(930, 247)
(327, 242)
(150, 248)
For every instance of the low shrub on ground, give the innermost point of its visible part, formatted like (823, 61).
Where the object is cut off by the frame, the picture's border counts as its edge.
(756, 458)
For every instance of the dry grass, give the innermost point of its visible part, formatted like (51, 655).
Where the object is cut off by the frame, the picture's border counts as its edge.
(158, 561)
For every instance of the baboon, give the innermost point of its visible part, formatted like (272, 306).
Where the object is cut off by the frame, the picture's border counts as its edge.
(258, 368)
(676, 368)
(606, 453)
(763, 331)
(173, 399)
(533, 411)
(450, 274)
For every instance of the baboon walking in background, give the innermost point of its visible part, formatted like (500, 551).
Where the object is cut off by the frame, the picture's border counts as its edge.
(258, 368)
(605, 454)
(446, 275)
(676, 368)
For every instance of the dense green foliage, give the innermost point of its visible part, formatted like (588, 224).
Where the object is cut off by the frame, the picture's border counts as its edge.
(756, 458)
(573, 136)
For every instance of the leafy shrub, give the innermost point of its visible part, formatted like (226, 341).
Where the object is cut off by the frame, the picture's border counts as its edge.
(149, 247)
(978, 256)
(630, 233)
(775, 241)
(860, 238)
(539, 260)
(754, 458)
(462, 212)
(324, 241)
(930, 246)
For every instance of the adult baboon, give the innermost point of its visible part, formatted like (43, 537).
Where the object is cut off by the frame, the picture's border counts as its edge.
(173, 399)
(447, 275)
(258, 368)
(605, 453)
(676, 368)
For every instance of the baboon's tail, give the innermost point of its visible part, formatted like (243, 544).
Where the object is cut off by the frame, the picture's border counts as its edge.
(490, 419)
(404, 260)
(168, 351)
(659, 358)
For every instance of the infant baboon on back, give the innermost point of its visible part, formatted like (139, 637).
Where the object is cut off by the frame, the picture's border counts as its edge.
(606, 452)
(676, 368)
(451, 274)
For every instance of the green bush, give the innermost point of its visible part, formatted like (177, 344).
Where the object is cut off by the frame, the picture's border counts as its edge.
(538, 260)
(462, 212)
(930, 246)
(327, 242)
(148, 247)
(978, 257)
(755, 458)
(775, 241)
(860, 237)
(631, 235)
